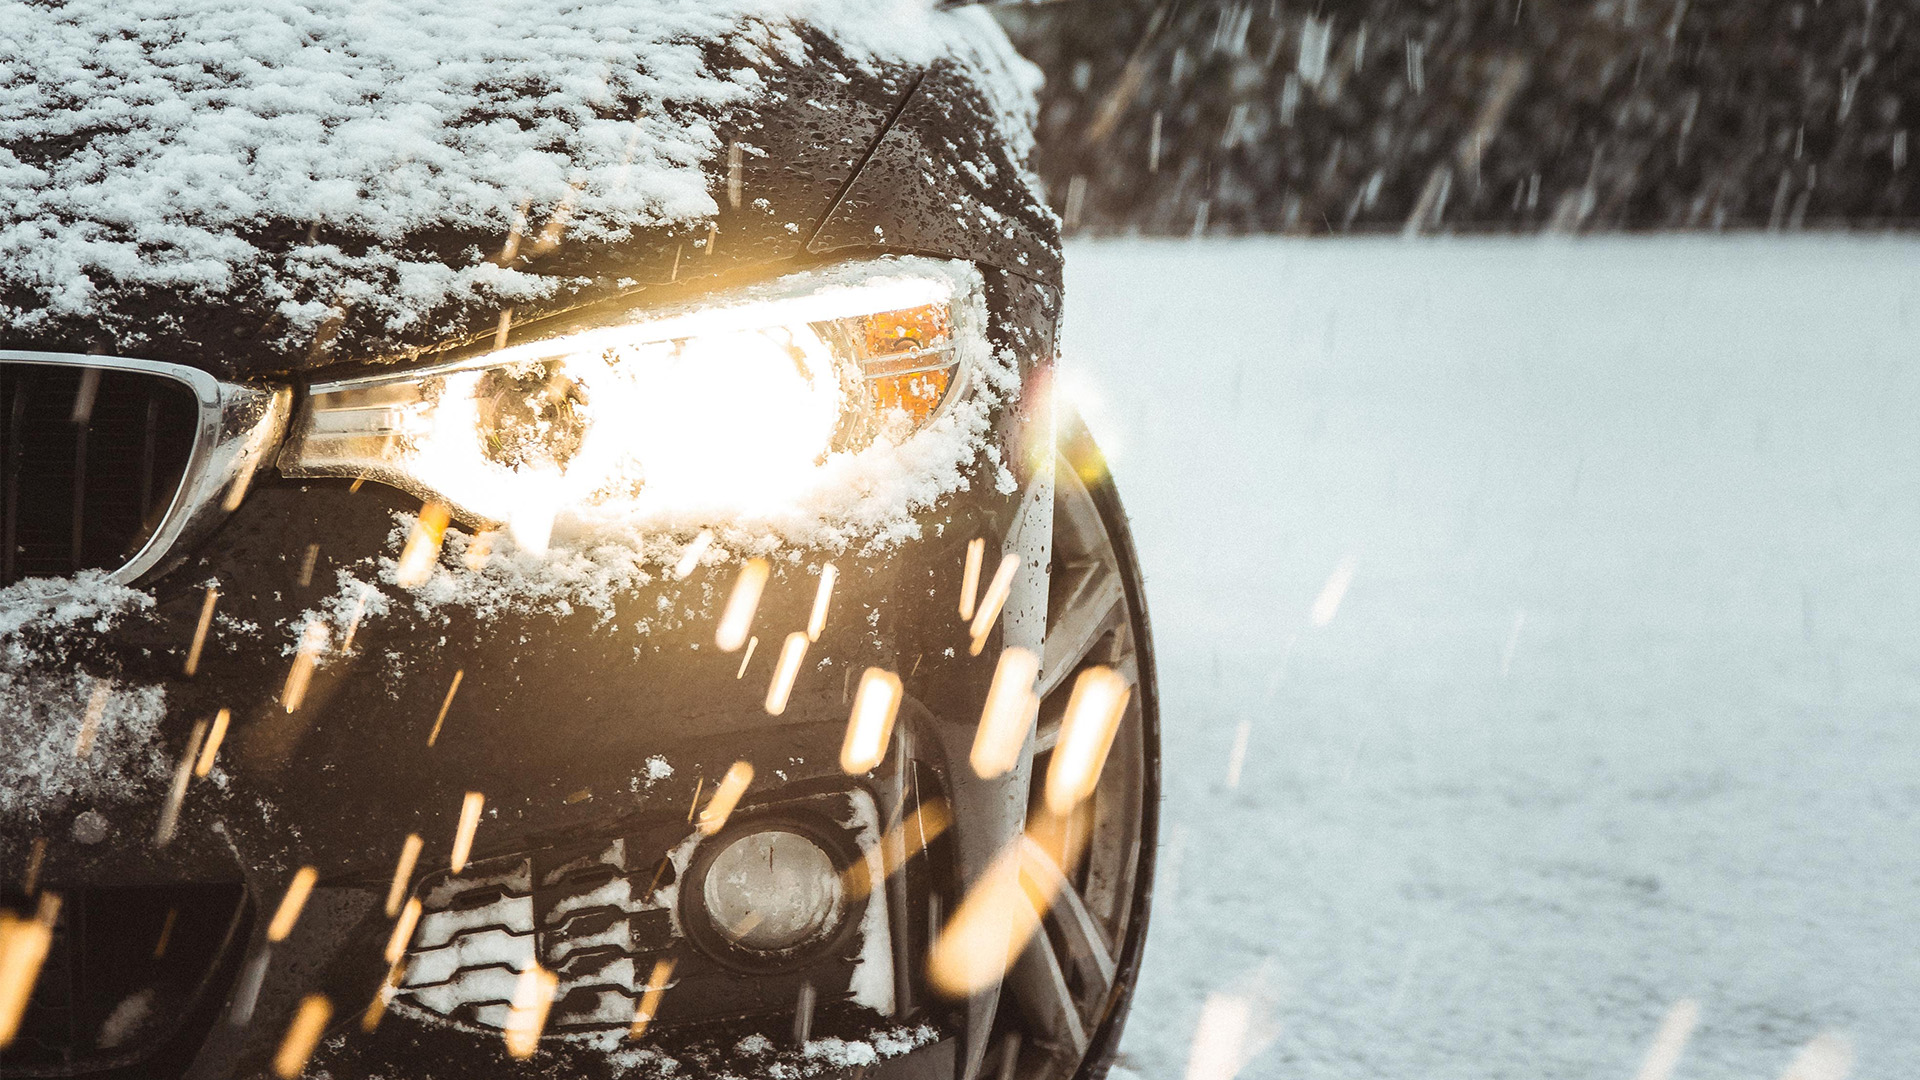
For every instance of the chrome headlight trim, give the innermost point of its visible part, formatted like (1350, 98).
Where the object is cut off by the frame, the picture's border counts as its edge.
(239, 426)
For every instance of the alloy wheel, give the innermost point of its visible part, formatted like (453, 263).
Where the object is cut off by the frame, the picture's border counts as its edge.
(1067, 995)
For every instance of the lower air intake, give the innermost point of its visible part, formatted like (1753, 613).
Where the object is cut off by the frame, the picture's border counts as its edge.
(132, 982)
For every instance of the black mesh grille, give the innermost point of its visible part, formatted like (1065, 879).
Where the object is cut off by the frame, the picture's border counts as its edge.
(90, 460)
(132, 982)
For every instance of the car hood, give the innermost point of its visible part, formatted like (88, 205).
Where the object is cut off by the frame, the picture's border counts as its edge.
(259, 194)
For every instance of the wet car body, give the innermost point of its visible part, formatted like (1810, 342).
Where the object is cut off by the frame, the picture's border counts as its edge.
(593, 732)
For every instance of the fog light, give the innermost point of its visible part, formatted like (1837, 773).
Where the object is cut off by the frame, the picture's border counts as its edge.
(772, 891)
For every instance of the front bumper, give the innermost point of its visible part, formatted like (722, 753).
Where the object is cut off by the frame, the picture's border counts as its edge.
(580, 726)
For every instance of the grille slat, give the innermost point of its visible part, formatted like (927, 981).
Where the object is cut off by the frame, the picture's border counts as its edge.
(93, 459)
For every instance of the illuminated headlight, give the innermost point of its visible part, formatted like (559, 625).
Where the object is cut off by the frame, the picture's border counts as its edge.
(729, 407)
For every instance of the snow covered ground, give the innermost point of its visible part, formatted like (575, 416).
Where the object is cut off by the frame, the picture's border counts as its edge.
(1622, 706)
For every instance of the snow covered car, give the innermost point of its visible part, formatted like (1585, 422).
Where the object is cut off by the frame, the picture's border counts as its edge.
(537, 543)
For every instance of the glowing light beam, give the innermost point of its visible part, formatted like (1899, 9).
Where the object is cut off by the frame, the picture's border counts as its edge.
(649, 1006)
(469, 821)
(737, 619)
(1327, 604)
(902, 842)
(291, 903)
(817, 621)
(690, 558)
(870, 727)
(403, 931)
(1086, 734)
(23, 948)
(726, 796)
(970, 577)
(792, 653)
(527, 1015)
(422, 552)
(434, 735)
(1008, 714)
(997, 592)
(313, 640)
(302, 1036)
(200, 630)
(212, 746)
(403, 872)
(1670, 1041)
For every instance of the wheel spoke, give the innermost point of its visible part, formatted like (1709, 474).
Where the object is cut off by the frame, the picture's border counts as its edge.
(1095, 604)
(1084, 941)
(1040, 986)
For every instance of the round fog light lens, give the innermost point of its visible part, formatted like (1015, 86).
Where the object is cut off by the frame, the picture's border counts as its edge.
(772, 890)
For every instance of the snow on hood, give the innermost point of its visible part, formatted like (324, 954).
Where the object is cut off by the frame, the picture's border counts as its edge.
(154, 144)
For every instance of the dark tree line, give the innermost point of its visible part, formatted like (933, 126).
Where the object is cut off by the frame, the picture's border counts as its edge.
(1254, 116)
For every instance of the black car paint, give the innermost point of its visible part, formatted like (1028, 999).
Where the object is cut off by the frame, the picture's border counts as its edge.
(830, 151)
(554, 706)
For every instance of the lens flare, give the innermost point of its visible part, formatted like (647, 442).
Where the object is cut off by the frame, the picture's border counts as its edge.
(403, 872)
(817, 621)
(1086, 734)
(1008, 715)
(649, 1006)
(212, 747)
(302, 1036)
(870, 728)
(997, 592)
(792, 652)
(291, 903)
(726, 795)
(527, 1016)
(737, 619)
(23, 948)
(422, 552)
(970, 577)
(403, 931)
(469, 821)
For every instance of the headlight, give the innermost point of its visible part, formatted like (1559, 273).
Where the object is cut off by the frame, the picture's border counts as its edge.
(730, 407)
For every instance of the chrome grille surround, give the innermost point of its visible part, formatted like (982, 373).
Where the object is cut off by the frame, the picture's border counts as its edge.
(239, 427)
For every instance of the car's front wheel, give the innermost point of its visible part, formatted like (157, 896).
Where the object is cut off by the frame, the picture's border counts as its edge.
(1067, 996)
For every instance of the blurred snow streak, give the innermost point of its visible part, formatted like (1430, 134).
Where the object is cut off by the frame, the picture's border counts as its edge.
(1694, 465)
(1175, 116)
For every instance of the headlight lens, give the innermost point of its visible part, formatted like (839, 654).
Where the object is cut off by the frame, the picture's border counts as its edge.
(771, 891)
(722, 409)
